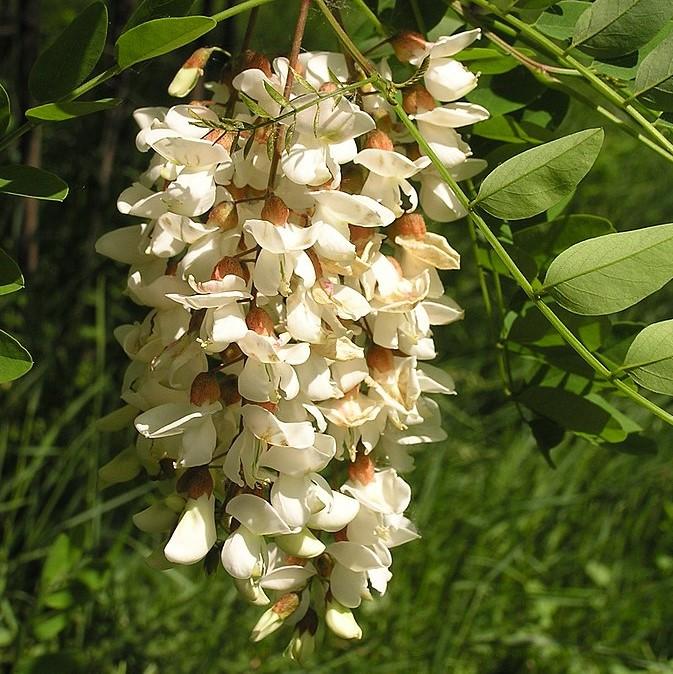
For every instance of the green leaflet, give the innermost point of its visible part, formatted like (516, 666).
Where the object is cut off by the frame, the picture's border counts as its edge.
(559, 22)
(649, 360)
(28, 181)
(59, 112)
(15, 361)
(5, 110)
(11, 278)
(616, 27)
(160, 36)
(535, 180)
(612, 272)
(66, 63)
(654, 78)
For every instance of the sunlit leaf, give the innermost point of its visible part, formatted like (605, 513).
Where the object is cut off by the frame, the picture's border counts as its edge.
(65, 63)
(649, 360)
(11, 278)
(160, 36)
(28, 181)
(59, 112)
(15, 361)
(654, 78)
(535, 180)
(615, 27)
(612, 272)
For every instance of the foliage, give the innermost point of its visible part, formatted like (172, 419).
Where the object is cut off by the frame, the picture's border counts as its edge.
(524, 577)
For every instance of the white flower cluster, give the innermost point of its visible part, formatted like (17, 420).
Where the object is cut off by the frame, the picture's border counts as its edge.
(290, 325)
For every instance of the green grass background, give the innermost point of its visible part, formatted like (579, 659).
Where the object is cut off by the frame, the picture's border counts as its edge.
(521, 568)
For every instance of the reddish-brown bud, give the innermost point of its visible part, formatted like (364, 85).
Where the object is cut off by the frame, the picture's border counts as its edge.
(286, 605)
(260, 322)
(224, 215)
(379, 358)
(378, 140)
(361, 235)
(408, 44)
(199, 58)
(275, 210)
(223, 138)
(268, 406)
(229, 266)
(418, 99)
(341, 535)
(362, 469)
(205, 389)
(328, 88)
(253, 59)
(410, 225)
(171, 268)
(195, 482)
(229, 390)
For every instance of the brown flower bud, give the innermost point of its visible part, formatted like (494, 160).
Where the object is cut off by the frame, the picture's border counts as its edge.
(328, 88)
(195, 482)
(229, 390)
(361, 235)
(260, 322)
(362, 469)
(379, 359)
(171, 268)
(224, 215)
(223, 138)
(410, 225)
(341, 535)
(205, 389)
(378, 140)
(268, 406)
(229, 266)
(408, 44)
(275, 210)
(253, 59)
(199, 58)
(418, 99)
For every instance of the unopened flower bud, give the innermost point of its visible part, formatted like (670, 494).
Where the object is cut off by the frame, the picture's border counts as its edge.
(188, 76)
(205, 389)
(418, 99)
(362, 469)
(251, 592)
(275, 210)
(195, 482)
(302, 544)
(252, 59)
(155, 519)
(229, 390)
(224, 215)
(380, 359)
(410, 225)
(302, 644)
(378, 140)
(340, 620)
(328, 88)
(260, 322)
(408, 44)
(274, 617)
(229, 266)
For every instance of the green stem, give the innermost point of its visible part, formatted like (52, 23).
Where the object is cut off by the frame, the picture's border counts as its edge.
(596, 365)
(237, 9)
(539, 40)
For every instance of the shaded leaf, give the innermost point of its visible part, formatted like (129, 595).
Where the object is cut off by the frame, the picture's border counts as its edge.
(157, 9)
(612, 272)
(67, 62)
(616, 27)
(59, 112)
(535, 180)
(649, 360)
(11, 278)
(28, 181)
(5, 110)
(559, 21)
(15, 361)
(160, 36)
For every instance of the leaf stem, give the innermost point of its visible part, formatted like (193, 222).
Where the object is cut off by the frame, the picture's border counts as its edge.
(576, 344)
(237, 9)
(537, 39)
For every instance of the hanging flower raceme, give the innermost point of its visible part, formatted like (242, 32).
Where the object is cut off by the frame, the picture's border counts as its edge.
(280, 382)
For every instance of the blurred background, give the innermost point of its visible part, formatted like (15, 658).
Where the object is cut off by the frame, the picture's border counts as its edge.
(521, 568)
